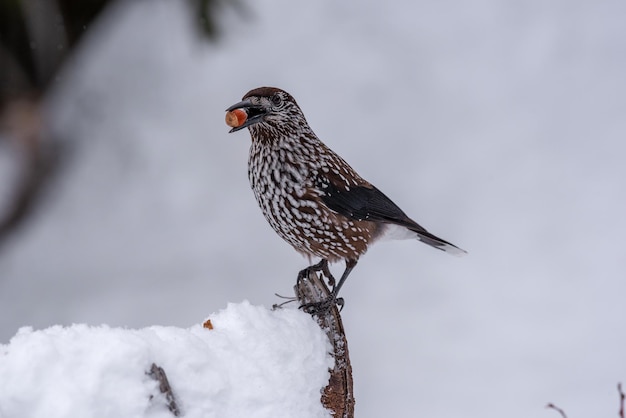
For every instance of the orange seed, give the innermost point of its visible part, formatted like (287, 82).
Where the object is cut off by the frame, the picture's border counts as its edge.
(235, 118)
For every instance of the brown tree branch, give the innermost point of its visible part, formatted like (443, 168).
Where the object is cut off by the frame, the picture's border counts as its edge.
(338, 395)
(158, 374)
(622, 397)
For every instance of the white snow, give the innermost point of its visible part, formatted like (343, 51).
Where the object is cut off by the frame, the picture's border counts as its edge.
(254, 363)
(498, 126)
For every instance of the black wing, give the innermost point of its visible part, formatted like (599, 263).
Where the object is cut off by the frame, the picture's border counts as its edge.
(363, 203)
(368, 203)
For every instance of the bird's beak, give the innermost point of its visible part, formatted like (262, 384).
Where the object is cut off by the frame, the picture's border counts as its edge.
(256, 114)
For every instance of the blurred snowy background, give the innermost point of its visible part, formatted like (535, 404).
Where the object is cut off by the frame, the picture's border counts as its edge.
(500, 126)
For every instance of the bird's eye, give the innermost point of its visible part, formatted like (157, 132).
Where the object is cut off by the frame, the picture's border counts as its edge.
(276, 100)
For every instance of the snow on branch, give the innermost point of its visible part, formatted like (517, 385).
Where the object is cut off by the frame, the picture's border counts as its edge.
(255, 362)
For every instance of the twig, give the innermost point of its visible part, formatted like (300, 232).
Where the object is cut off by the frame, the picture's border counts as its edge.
(556, 408)
(158, 374)
(622, 397)
(289, 299)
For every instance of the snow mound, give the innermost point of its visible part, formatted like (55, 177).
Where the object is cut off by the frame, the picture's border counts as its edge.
(255, 362)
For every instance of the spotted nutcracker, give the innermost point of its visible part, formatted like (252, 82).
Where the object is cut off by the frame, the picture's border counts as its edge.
(311, 197)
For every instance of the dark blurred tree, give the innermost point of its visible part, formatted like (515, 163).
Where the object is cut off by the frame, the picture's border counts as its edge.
(36, 38)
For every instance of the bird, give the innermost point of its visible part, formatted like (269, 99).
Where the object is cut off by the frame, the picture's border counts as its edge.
(312, 197)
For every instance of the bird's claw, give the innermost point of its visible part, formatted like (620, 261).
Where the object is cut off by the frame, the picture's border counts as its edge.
(330, 279)
(302, 274)
(323, 307)
(340, 302)
(321, 266)
(329, 276)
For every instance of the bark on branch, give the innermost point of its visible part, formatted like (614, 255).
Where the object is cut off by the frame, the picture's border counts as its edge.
(158, 374)
(338, 395)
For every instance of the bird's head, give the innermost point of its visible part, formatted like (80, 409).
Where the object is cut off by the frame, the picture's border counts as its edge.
(268, 108)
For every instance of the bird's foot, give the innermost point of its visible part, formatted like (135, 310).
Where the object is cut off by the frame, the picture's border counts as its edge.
(321, 266)
(323, 307)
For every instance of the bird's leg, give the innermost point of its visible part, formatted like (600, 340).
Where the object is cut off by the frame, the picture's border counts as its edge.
(325, 305)
(321, 266)
(350, 264)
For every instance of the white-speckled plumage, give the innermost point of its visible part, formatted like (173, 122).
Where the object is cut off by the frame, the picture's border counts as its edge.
(285, 161)
(309, 195)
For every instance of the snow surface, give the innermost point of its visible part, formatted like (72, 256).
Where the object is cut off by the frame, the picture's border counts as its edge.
(254, 363)
(499, 126)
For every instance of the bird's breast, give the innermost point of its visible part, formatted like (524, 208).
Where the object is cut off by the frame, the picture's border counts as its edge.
(285, 189)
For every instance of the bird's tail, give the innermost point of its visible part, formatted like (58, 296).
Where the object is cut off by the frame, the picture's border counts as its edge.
(441, 244)
(411, 230)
